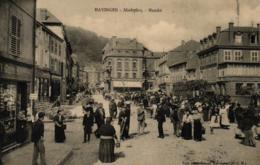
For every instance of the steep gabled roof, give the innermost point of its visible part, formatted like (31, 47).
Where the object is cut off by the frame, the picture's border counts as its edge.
(123, 44)
(181, 53)
(46, 17)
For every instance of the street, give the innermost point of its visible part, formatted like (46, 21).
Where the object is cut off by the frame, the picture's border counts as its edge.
(221, 147)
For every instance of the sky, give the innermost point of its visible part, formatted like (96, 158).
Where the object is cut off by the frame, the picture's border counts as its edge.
(158, 31)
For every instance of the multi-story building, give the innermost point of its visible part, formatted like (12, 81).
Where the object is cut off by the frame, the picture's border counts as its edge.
(183, 65)
(57, 53)
(75, 72)
(164, 74)
(150, 68)
(82, 77)
(16, 62)
(124, 64)
(94, 75)
(230, 61)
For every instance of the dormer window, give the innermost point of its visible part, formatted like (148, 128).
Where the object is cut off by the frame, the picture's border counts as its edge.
(253, 39)
(238, 38)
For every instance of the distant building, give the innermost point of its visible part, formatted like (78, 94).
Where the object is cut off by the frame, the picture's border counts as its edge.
(16, 63)
(125, 66)
(94, 76)
(164, 74)
(184, 65)
(230, 61)
(56, 51)
(75, 72)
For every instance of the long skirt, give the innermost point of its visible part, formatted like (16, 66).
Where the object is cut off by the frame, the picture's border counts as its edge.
(106, 150)
(59, 134)
(186, 131)
(197, 132)
(249, 138)
(215, 121)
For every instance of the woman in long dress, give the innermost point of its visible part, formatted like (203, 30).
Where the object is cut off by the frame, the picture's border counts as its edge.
(247, 123)
(197, 125)
(223, 112)
(107, 142)
(215, 119)
(59, 127)
(186, 132)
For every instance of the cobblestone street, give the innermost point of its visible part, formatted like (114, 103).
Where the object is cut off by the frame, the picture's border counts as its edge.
(221, 147)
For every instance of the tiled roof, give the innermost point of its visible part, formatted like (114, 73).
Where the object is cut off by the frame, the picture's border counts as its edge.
(181, 53)
(45, 16)
(124, 44)
(192, 62)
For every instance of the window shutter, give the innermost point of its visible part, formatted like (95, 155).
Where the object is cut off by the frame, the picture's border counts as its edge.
(14, 36)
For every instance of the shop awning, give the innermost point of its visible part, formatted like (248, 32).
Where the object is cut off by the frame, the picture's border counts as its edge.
(127, 84)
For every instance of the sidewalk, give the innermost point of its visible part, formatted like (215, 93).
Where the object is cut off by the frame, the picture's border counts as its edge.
(56, 154)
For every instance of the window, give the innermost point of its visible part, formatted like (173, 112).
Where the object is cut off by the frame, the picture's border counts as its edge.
(238, 38)
(134, 75)
(227, 55)
(59, 50)
(15, 36)
(119, 65)
(254, 56)
(238, 55)
(118, 74)
(55, 47)
(51, 44)
(253, 39)
(239, 88)
(134, 65)
(126, 65)
(126, 75)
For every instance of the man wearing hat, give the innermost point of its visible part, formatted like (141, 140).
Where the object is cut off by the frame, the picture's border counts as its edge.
(2, 135)
(88, 122)
(113, 109)
(37, 138)
(122, 122)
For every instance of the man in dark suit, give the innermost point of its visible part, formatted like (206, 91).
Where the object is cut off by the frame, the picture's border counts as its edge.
(37, 138)
(2, 135)
(160, 117)
(88, 122)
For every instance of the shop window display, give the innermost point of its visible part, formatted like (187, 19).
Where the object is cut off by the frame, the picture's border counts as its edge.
(8, 94)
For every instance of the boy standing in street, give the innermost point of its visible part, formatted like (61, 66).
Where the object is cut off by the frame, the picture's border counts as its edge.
(2, 134)
(37, 138)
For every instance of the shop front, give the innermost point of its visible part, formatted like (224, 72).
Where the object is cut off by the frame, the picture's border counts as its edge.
(14, 99)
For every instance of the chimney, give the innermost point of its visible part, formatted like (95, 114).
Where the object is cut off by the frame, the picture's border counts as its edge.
(258, 33)
(231, 32)
(218, 29)
(231, 25)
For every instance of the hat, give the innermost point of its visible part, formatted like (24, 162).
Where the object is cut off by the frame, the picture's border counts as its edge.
(41, 114)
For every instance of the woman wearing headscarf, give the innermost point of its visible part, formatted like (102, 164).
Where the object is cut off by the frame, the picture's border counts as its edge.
(107, 142)
(247, 123)
(197, 124)
(223, 112)
(59, 127)
(186, 132)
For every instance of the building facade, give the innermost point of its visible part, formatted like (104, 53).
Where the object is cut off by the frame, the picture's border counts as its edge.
(230, 61)
(183, 65)
(124, 67)
(164, 74)
(57, 54)
(16, 62)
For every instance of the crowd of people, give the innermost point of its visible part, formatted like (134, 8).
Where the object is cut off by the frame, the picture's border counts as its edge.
(189, 117)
